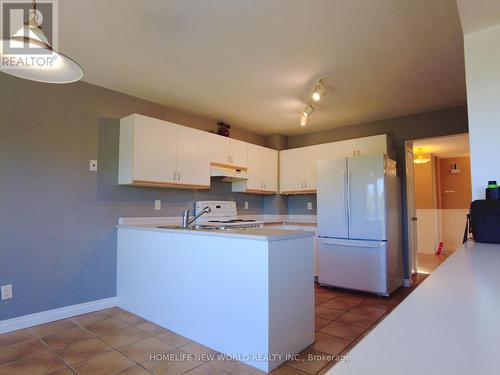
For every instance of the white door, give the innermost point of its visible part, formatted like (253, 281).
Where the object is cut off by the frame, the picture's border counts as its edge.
(376, 144)
(411, 210)
(311, 155)
(367, 198)
(332, 198)
(254, 165)
(193, 157)
(270, 169)
(360, 265)
(238, 154)
(292, 170)
(343, 149)
(155, 150)
(220, 148)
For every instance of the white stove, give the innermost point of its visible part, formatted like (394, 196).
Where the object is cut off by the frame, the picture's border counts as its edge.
(222, 215)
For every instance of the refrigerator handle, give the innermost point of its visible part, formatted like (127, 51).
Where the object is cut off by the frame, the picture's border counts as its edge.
(349, 180)
(344, 198)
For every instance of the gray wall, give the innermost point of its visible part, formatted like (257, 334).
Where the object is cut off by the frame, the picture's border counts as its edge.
(57, 235)
(436, 123)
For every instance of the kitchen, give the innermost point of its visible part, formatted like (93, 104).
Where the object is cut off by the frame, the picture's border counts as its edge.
(93, 168)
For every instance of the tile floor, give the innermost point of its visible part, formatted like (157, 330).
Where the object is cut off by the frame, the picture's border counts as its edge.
(427, 263)
(114, 341)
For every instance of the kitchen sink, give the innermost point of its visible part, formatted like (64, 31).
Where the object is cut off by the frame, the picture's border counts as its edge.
(193, 227)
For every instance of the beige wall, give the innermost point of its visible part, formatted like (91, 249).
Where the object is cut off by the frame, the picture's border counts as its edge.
(425, 186)
(455, 189)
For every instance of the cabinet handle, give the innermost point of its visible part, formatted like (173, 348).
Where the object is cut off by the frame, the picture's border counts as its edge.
(178, 176)
(173, 175)
(305, 183)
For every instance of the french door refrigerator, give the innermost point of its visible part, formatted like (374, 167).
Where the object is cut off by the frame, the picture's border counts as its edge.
(359, 224)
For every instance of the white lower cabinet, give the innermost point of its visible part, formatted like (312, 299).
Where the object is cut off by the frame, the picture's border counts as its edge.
(307, 228)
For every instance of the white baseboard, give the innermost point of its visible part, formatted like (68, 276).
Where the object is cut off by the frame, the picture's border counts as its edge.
(30, 320)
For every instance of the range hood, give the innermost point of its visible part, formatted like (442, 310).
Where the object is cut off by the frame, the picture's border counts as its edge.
(227, 173)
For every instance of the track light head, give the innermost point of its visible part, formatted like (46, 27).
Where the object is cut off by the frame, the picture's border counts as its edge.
(319, 90)
(308, 110)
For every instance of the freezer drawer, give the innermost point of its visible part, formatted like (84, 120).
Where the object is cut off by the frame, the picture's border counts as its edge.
(352, 264)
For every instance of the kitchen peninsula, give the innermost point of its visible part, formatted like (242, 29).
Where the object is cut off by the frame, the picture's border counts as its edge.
(247, 293)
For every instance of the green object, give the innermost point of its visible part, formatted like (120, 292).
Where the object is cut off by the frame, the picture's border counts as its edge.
(492, 184)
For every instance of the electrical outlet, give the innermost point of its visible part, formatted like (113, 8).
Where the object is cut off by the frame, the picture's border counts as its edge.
(93, 166)
(6, 291)
(157, 205)
(246, 205)
(309, 205)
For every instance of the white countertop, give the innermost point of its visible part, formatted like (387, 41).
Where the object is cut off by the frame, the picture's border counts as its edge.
(450, 324)
(262, 234)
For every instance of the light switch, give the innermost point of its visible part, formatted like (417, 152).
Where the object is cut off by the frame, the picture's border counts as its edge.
(93, 166)
(6, 291)
(157, 205)
(309, 205)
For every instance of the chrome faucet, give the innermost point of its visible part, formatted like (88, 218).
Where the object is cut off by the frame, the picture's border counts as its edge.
(186, 221)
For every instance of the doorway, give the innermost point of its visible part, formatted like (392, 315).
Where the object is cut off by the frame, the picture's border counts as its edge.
(438, 198)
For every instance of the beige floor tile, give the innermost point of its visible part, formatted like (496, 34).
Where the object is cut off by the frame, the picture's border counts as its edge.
(310, 361)
(320, 322)
(173, 339)
(325, 292)
(47, 329)
(20, 350)
(327, 313)
(232, 367)
(134, 370)
(357, 320)
(287, 370)
(66, 338)
(112, 310)
(108, 326)
(177, 362)
(206, 369)
(83, 350)
(15, 337)
(370, 311)
(143, 350)
(63, 371)
(204, 352)
(330, 344)
(91, 318)
(346, 331)
(104, 364)
(341, 305)
(151, 328)
(326, 369)
(39, 364)
(117, 333)
(319, 300)
(130, 318)
(348, 297)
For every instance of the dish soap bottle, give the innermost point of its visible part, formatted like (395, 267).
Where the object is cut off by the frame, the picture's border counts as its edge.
(492, 191)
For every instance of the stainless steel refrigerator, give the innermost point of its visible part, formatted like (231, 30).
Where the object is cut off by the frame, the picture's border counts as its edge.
(359, 224)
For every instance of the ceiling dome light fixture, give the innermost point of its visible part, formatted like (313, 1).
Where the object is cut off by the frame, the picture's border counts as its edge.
(420, 158)
(43, 64)
(319, 90)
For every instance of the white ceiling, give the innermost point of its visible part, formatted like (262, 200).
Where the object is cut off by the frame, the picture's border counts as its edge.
(253, 63)
(444, 147)
(476, 15)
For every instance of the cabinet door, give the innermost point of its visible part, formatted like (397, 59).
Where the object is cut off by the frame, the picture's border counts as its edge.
(254, 165)
(270, 169)
(312, 154)
(155, 150)
(291, 170)
(238, 154)
(371, 145)
(343, 149)
(220, 148)
(193, 157)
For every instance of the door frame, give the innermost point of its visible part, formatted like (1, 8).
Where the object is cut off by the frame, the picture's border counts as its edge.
(411, 214)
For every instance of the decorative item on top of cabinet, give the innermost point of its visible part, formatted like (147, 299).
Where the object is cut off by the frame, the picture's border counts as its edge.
(162, 154)
(223, 129)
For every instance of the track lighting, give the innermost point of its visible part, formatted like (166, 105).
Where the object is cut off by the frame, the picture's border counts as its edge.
(308, 110)
(319, 91)
(303, 120)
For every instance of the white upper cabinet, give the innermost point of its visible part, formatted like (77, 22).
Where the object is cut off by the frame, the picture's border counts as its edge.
(227, 151)
(343, 149)
(262, 172)
(292, 171)
(193, 152)
(312, 154)
(159, 153)
(376, 144)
